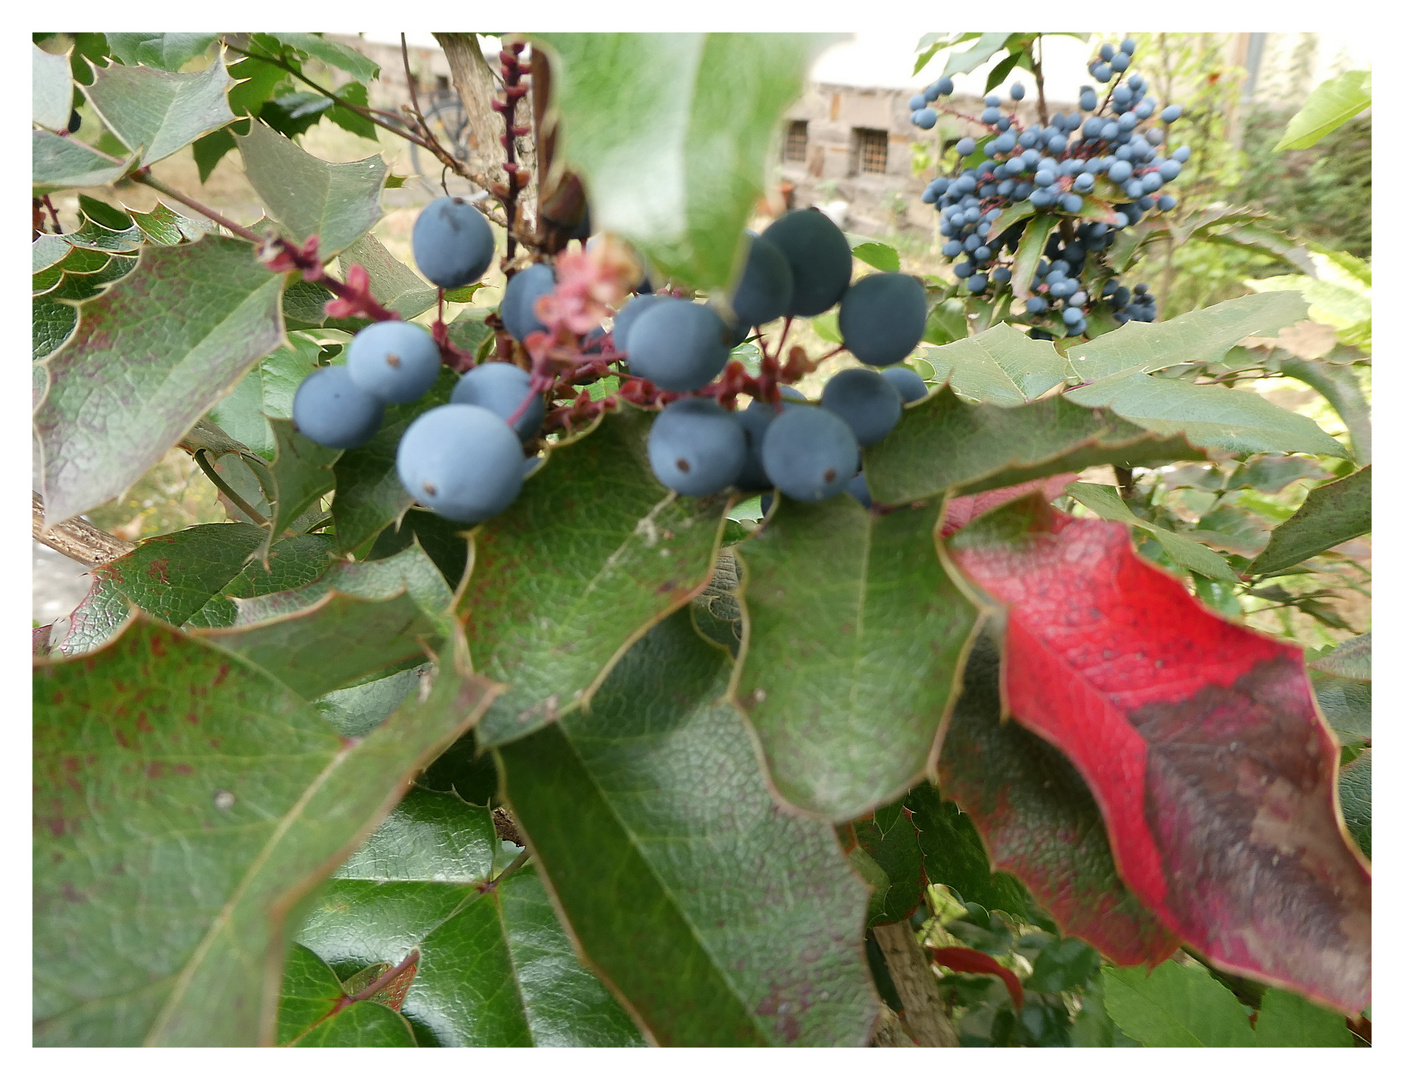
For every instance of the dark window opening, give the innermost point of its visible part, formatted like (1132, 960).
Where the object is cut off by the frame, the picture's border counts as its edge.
(797, 140)
(870, 150)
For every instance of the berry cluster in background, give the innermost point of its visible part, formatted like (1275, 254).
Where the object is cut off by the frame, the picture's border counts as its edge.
(1095, 171)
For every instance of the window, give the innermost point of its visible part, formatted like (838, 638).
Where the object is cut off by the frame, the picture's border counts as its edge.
(870, 150)
(797, 140)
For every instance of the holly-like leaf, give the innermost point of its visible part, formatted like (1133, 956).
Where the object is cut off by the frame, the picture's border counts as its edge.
(165, 226)
(293, 562)
(1030, 251)
(168, 52)
(1348, 660)
(593, 552)
(1103, 501)
(703, 110)
(1000, 366)
(719, 918)
(358, 619)
(337, 202)
(183, 803)
(1038, 821)
(151, 354)
(60, 162)
(52, 103)
(880, 256)
(889, 837)
(1175, 1005)
(154, 112)
(1332, 514)
(171, 577)
(967, 61)
(1198, 738)
(314, 1009)
(1345, 703)
(952, 852)
(943, 442)
(494, 968)
(391, 282)
(51, 323)
(1201, 336)
(854, 634)
(1330, 105)
(1239, 421)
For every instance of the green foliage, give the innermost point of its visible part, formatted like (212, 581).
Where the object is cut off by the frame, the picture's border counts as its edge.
(1330, 105)
(706, 736)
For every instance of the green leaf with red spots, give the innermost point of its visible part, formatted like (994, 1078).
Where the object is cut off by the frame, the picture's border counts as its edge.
(183, 803)
(719, 918)
(1199, 740)
(593, 552)
(854, 632)
(1038, 821)
(151, 354)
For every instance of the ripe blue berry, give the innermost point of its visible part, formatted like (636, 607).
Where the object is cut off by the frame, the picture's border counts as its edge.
(819, 257)
(461, 461)
(627, 316)
(809, 454)
(394, 361)
(678, 345)
(452, 243)
(502, 388)
(766, 286)
(520, 297)
(331, 410)
(870, 404)
(883, 316)
(910, 385)
(696, 447)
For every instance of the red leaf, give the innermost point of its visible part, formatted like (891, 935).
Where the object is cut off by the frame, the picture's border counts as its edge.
(962, 510)
(1199, 739)
(960, 959)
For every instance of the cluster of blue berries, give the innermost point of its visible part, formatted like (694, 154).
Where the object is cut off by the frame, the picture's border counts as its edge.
(800, 265)
(1093, 163)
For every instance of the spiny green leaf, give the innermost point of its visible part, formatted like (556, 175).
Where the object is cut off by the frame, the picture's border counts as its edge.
(1175, 1005)
(53, 89)
(1239, 421)
(158, 112)
(169, 52)
(495, 968)
(1197, 336)
(591, 554)
(716, 916)
(183, 802)
(1332, 514)
(854, 639)
(332, 53)
(1001, 366)
(266, 393)
(391, 282)
(59, 162)
(336, 202)
(943, 442)
(133, 378)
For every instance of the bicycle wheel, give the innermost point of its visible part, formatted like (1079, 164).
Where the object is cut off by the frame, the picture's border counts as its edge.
(448, 120)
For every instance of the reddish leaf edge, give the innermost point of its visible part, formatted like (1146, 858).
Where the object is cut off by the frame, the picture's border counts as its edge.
(1147, 880)
(958, 958)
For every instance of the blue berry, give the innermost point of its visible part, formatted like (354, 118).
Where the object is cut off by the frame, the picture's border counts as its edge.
(1017, 91)
(819, 257)
(502, 388)
(924, 119)
(766, 287)
(883, 317)
(393, 361)
(1107, 51)
(1087, 100)
(520, 297)
(870, 404)
(1102, 72)
(1171, 113)
(696, 447)
(910, 385)
(331, 410)
(917, 102)
(809, 453)
(451, 242)
(1128, 46)
(628, 314)
(965, 147)
(678, 345)
(461, 461)
(1120, 62)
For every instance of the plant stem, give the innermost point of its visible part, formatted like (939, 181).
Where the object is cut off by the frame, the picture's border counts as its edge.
(229, 493)
(77, 539)
(142, 176)
(916, 985)
(1038, 82)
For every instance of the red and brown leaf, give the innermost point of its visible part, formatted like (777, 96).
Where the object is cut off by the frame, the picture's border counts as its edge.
(971, 960)
(1199, 739)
